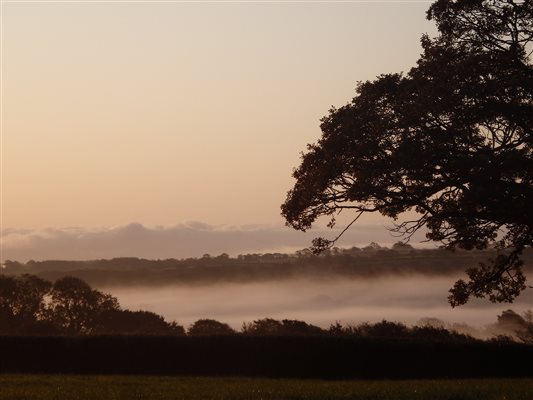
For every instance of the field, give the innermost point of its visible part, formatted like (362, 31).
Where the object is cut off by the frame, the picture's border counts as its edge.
(66, 387)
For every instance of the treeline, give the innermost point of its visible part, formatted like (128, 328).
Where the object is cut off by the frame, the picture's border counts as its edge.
(370, 261)
(325, 357)
(32, 306)
(68, 327)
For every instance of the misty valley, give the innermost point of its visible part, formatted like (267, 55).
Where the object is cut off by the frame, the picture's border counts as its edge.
(348, 286)
(262, 327)
(137, 135)
(319, 302)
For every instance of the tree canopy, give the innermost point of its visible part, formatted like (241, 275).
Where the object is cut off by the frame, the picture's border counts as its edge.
(210, 327)
(30, 305)
(450, 140)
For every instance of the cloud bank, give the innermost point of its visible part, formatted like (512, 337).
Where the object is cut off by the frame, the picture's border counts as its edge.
(191, 239)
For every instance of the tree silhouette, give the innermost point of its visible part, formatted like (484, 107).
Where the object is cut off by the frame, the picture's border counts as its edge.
(23, 297)
(30, 305)
(126, 322)
(273, 327)
(75, 306)
(525, 334)
(263, 327)
(296, 327)
(210, 327)
(8, 293)
(450, 140)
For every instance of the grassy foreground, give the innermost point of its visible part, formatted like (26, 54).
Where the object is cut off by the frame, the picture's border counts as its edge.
(67, 387)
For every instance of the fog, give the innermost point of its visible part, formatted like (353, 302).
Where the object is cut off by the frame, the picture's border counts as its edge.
(403, 299)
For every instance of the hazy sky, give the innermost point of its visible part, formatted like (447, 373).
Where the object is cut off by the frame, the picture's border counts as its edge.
(191, 239)
(161, 113)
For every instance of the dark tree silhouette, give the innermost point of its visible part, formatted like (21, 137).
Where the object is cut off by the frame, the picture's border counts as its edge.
(263, 327)
(383, 329)
(514, 326)
(295, 327)
(210, 327)
(8, 293)
(23, 307)
(75, 306)
(30, 305)
(273, 327)
(451, 140)
(126, 322)
(525, 333)
(23, 297)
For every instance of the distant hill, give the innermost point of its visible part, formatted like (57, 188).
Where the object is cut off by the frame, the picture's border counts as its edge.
(372, 261)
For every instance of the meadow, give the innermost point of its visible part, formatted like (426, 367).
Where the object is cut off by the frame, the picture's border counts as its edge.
(66, 387)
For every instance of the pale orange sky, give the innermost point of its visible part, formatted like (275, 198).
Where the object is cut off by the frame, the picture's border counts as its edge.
(170, 112)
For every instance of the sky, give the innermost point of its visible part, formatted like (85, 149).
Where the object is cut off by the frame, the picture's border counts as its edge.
(161, 113)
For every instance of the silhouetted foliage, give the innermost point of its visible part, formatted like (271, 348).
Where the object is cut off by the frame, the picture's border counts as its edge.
(450, 140)
(210, 327)
(336, 329)
(75, 306)
(525, 333)
(8, 294)
(263, 327)
(126, 322)
(384, 329)
(286, 327)
(509, 320)
(371, 261)
(514, 326)
(23, 296)
(30, 305)
(22, 306)
(295, 327)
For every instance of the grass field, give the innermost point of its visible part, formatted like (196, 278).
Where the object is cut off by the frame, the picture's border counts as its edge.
(65, 387)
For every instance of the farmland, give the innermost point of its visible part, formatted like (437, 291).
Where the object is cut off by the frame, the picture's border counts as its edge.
(48, 387)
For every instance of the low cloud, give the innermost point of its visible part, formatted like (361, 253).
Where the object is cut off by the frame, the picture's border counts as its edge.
(180, 241)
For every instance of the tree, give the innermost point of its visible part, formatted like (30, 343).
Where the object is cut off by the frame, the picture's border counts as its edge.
(75, 306)
(210, 327)
(23, 296)
(8, 294)
(263, 327)
(514, 326)
(402, 246)
(525, 334)
(451, 141)
(383, 329)
(295, 327)
(23, 305)
(126, 322)
(273, 327)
